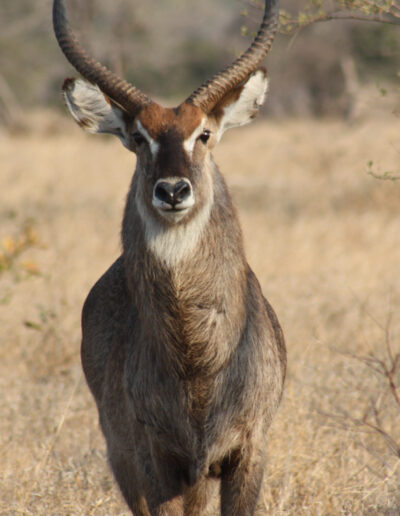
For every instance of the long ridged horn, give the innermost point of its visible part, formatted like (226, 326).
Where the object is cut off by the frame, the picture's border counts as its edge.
(211, 92)
(116, 88)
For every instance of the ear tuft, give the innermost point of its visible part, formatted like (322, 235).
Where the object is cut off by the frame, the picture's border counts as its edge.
(91, 109)
(241, 106)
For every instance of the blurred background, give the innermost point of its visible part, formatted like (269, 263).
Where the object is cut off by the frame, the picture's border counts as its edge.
(168, 48)
(316, 181)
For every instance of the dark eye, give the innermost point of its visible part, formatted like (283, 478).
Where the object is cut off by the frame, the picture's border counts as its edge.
(205, 135)
(138, 138)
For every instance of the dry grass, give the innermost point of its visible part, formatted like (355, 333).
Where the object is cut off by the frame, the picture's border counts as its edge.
(324, 239)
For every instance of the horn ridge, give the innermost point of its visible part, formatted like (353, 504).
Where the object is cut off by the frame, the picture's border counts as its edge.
(119, 90)
(211, 91)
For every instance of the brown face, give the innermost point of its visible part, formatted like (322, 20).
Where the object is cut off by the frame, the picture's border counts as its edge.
(174, 175)
(172, 148)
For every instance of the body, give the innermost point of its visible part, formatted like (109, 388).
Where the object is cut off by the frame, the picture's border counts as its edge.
(183, 355)
(197, 356)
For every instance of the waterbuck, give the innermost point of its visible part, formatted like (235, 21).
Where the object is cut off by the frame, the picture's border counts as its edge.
(183, 355)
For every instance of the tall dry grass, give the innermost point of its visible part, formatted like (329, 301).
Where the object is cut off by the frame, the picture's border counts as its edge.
(324, 239)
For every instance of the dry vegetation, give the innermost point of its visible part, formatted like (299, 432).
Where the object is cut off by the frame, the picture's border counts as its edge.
(324, 239)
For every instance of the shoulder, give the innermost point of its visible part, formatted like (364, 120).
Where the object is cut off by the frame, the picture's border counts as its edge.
(108, 295)
(262, 307)
(104, 318)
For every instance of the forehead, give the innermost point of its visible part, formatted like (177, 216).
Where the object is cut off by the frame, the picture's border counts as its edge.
(183, 120)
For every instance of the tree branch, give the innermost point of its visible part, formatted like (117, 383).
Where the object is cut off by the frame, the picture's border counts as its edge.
(345, 15)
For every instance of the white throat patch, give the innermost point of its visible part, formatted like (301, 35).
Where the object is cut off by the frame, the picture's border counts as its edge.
(178, 242)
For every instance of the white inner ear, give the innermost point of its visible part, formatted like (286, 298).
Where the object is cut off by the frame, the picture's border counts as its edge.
(92, 110)
(245, 108)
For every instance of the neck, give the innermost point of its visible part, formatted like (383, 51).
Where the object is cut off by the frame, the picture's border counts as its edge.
(188, 282)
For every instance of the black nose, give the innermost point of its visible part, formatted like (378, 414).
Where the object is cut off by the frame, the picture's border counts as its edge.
(172, 193)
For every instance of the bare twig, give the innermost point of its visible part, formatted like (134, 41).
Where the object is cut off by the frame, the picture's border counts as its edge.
(387, 18)
(366, 427)
(381, 400)
(386, 176)
(355, 11)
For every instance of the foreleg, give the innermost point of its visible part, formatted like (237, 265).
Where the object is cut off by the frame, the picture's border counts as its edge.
(241, 481)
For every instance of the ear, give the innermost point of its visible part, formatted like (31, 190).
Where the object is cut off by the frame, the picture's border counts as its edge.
(93, 110)
(241, 105)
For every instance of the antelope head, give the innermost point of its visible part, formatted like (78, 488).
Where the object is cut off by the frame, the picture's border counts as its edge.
(172, 145)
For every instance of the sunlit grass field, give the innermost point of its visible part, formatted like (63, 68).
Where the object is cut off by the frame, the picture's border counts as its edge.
(321, 233)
